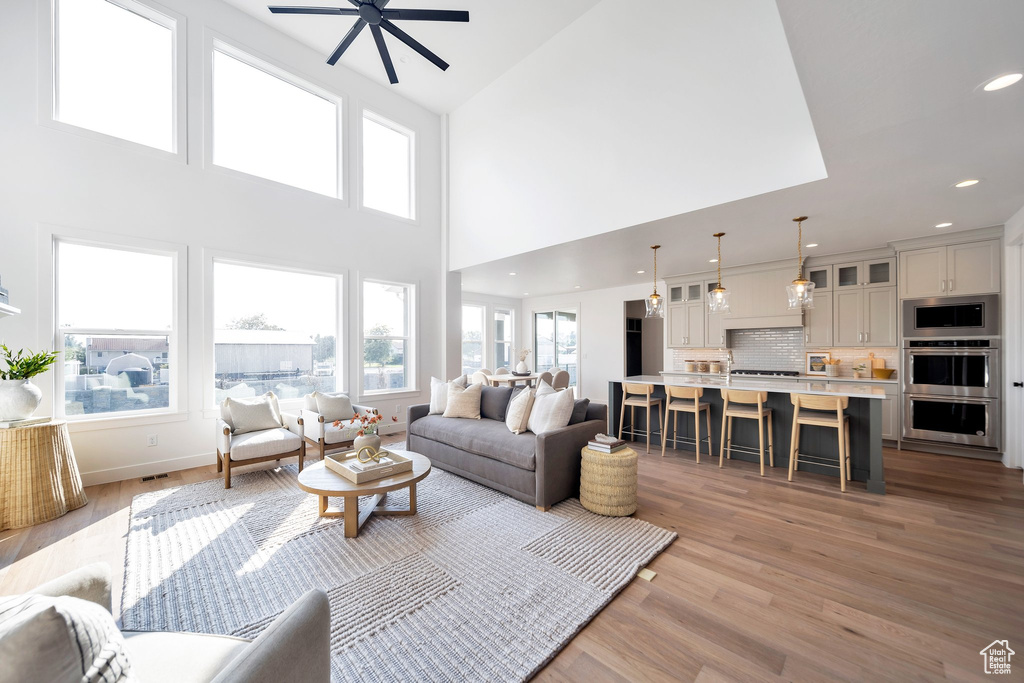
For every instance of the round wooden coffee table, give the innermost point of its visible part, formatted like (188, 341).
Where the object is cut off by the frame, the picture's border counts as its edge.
(319, 480)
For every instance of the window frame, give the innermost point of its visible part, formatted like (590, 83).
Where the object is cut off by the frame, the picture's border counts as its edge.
(212, 257)
(387, 122)
(411, 346)
(214, 41)
(49, 47)
(575, 310)
(177, 408)
(510, 340)
(484, 336)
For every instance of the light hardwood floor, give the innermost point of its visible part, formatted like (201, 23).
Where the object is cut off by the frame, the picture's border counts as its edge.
(768, 580)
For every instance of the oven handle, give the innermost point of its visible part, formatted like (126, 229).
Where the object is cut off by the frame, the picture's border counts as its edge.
(915, 351)
(934, 398)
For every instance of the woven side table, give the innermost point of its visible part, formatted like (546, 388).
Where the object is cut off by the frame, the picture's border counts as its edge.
(39, 478)
(608, 482)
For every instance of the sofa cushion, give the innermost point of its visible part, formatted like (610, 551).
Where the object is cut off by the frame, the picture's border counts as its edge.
(487, 438)
(463, 402)
(579, 411)
(439, 393)
(334, 406)
(253, 414)
(170, 657)
(263, 444)
(60, 639)
(517, 415)
(551, 409)
(494, 402)
(225, 406)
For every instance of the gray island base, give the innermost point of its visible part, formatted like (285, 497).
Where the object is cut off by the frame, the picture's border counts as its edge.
(865, 411)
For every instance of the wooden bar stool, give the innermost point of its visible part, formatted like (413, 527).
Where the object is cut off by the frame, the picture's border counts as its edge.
(640, 396)
(748, 405)
(686, 400)
(823, 411)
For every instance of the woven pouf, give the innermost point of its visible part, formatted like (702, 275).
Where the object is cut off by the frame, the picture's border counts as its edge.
(608, 482)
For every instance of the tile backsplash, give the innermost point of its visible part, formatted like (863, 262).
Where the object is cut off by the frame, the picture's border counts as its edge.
(778, 348)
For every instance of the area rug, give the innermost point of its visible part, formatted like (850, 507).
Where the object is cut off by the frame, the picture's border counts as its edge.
(476, 586)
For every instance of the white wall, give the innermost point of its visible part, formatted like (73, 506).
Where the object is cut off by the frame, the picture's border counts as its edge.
(601, 332)
(51, 177)
(621, 118)
(1013, 339)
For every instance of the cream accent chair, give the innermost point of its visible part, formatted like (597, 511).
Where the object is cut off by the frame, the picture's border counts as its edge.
(261, 446)
(480, 377)
(294, 647)
(560, 380)
(322, 435)
(545, 376)
(502, 371)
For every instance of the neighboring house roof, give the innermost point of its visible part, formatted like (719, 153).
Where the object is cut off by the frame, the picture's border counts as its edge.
(126, 344)
(284, 337)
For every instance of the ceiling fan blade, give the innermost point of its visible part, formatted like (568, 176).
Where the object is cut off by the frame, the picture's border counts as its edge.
(426, 15)
(336, 11)
(385, 57)
(345, 42)
(414, 44)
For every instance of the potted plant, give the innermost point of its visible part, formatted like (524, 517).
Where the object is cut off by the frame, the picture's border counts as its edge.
(368, 426)
(19, 398)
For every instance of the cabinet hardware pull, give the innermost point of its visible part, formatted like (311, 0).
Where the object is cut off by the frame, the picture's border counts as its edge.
(951, 284)
(943, 285)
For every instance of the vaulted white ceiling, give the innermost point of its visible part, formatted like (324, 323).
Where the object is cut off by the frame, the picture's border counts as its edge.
(500, 33)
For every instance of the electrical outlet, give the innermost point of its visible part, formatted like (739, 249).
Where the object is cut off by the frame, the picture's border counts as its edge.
(151, 440)
(398, 409)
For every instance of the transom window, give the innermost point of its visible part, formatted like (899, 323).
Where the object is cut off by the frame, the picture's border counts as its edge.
(388, 163)
(270, 124)
(114, 70)
(115, 322)
(388, 337)
(274, 330)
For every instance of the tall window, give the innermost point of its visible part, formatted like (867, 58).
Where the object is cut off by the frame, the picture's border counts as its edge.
(274, 330)
(115, 319)
(388, 163)
(554, 343)
(388, 337)
(503, 335)
(271, 125)
(114, 70)
(472, 338)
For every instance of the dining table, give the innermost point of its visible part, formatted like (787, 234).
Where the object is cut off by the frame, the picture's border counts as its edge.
(512, 380)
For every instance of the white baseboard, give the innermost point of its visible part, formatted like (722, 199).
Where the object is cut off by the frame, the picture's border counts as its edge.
(147, 469)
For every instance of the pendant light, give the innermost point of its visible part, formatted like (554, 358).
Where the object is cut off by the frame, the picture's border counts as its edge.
(718, 299)
(801, 291)
(655, 302)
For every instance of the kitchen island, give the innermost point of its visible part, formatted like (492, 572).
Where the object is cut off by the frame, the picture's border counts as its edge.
(865, 411)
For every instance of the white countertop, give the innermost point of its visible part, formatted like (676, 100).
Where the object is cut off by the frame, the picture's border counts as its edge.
(820, 387)
(802, 378)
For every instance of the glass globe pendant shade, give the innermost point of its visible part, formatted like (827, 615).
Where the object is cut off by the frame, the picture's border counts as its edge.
(800, 294)
(655, 306)
(718, 300)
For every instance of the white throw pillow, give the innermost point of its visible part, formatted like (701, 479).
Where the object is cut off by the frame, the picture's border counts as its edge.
(252, 414)
(551, 409)
(334, 406)
(439, 393)
(518, 414)
(60, 639)
(463, 401)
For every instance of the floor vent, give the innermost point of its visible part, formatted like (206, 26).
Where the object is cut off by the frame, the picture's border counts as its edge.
(155, 476)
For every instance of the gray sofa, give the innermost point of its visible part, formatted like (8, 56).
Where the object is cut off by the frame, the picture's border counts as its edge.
(538, 469)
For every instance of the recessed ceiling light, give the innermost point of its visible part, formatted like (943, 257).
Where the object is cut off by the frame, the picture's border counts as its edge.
(576, 287)
(812, 245)
(1002, 82)
(712, 260)
(967, 183)
(640, 272)
(512, 273)
(526, 294)
(943, 225)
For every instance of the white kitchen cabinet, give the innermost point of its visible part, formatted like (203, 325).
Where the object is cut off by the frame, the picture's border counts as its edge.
(864, 317)
(821, 276)
(874, 273)
(818, 322)
(686, 325)
(685, 292)
(956, 270)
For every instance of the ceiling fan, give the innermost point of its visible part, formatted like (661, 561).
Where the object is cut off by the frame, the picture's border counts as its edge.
(372, 12)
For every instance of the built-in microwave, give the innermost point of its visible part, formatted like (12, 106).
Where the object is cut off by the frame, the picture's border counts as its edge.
(953, 316)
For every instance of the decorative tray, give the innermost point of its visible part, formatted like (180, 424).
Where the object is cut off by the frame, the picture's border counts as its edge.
(521, 374)
(347, 465)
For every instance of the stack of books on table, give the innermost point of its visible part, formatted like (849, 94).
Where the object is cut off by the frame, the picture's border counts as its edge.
(606, 444)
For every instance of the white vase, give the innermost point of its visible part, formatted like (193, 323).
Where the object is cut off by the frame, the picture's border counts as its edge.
(522, 367)
(371, 440)
(19, 398)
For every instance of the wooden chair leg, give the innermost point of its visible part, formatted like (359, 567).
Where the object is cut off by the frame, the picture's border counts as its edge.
(771, 441)
(622, 415)
(840, 434)
(220, 463)
(707, 415)
(760, 444)
(728, 445)
(849, 475)
(227, 470)
(721, 443)
(664, 437)
(794, 448)
(323, 449)
(648, 425)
